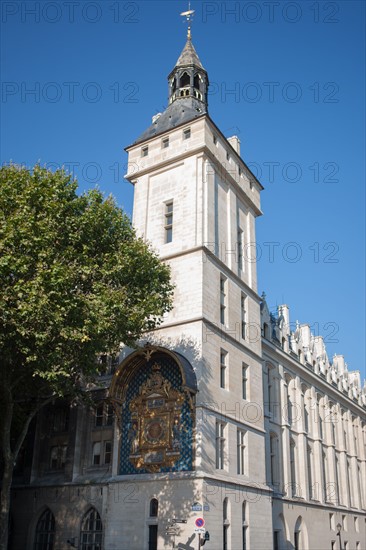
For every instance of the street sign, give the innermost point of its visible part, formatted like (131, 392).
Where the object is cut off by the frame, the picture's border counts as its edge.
(199, 525)
(174, 520)
(196, 507)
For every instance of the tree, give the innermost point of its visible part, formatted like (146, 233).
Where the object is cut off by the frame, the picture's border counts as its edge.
(75, 282)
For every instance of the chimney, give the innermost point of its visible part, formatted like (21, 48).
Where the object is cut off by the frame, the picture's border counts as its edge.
(235, 143)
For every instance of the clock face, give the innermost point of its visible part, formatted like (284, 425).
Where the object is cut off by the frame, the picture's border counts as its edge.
(154, 430)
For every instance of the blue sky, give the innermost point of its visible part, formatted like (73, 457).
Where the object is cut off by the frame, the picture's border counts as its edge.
(287, 77)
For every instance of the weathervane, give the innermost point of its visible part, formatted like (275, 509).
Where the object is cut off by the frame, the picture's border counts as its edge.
(189, 19)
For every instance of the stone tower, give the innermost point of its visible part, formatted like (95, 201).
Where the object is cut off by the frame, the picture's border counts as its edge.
(196, 201)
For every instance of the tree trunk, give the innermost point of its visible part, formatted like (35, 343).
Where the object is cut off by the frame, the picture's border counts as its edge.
(9, 457)
(5, 501)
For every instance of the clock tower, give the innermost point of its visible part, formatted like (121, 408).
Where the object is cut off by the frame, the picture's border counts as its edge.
(196, 201)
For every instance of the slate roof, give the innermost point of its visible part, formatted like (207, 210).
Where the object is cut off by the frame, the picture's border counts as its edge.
(181, 111)
(189, 56)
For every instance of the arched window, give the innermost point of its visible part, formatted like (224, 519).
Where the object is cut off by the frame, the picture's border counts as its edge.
(185, 80)
(226, 523)
(91, 531)
(45, 531)
(245, 525)
(154, 507)
(196, 82)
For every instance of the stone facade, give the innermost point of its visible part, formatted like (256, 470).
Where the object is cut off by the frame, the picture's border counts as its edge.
(225, 412)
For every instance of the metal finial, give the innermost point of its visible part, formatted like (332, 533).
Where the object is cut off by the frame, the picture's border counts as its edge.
(189, 19)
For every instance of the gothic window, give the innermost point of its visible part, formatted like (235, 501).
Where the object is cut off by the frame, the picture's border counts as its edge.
(226, 523)
(91, 531)
(154, 507)
(185, 80)
(45, 531)
(245, 525)
(169, 222)
(196, 82)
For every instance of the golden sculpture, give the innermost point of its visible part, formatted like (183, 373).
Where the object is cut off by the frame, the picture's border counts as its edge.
(154, 436)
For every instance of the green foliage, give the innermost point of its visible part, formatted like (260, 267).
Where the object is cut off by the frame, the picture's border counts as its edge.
(75, 281)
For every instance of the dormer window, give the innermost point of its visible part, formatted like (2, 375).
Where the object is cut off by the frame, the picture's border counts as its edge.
(145, 151)
(187, 133)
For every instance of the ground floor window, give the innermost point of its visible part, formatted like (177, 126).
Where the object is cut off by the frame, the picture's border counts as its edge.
(45, 531)
(91, 531)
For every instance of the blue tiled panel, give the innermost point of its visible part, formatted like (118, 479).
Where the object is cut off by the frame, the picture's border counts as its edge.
(171, 372)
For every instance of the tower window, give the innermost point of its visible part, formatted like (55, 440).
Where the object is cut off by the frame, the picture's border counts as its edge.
(215, 140)
(243, 308)
(220, 445)
(185, 80)
(154, 507)
(244, 374)
(240, 249)
(169, 222)
(223, 283)
(165, 143)
(241, 451)
(187, 133)
(145, 151)
(223, 365)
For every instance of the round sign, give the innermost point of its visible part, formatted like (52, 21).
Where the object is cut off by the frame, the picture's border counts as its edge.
(199, 522)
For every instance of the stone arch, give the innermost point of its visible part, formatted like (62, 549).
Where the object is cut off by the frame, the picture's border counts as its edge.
(91, 530)
(302, 537)
(280, 525)
(153, 393)
(46, 532)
